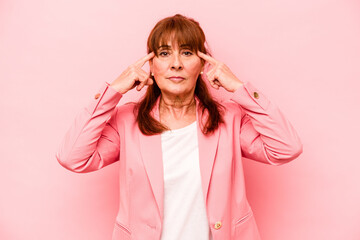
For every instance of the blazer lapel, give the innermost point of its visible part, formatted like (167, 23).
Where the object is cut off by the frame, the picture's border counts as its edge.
(150, 147)
(208, 145)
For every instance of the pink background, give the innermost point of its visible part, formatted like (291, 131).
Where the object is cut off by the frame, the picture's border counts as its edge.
(54, 55)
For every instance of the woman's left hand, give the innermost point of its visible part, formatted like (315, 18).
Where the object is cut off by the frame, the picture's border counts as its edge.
(220, 75)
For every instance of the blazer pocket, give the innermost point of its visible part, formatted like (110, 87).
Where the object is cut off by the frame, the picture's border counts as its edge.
(246, 228)
(243, 218)
(121, 232)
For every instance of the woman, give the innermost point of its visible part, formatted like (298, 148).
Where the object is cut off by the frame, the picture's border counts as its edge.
(181, 174)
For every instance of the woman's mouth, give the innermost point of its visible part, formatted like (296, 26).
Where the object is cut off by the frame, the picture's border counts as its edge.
(176, 79)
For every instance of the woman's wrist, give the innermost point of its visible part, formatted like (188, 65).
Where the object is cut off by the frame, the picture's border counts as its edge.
(117, 89)
(237, 85)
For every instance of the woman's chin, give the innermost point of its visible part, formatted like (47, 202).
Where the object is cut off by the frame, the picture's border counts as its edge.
(176, 91)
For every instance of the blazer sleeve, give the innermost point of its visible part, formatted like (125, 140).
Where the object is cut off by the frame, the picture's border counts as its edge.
(265, 133)
(92, 141)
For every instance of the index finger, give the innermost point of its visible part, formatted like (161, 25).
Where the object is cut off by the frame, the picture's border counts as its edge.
(207, 58)
(143, 60)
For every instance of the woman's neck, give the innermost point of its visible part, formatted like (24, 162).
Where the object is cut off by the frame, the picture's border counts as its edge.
(177, 108)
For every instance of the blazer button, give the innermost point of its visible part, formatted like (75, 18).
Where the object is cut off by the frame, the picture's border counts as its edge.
(97, 95)
(256, 95)
(217, 225)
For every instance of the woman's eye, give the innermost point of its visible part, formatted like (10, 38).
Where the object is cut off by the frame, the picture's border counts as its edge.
(162, 53)
(187, 53)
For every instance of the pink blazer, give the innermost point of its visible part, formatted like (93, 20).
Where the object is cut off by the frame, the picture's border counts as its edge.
(104, 133)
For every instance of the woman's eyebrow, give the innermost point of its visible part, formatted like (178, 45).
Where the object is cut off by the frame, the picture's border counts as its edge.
(169, 47)
(185, 46)
(164, 46)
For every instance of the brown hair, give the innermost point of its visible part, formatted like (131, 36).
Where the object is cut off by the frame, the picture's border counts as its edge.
(186, 31)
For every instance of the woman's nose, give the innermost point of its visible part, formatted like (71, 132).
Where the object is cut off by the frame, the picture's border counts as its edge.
(176, 62)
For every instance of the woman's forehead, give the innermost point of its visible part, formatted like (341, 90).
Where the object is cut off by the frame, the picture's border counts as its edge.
(174, 44)
(174, 40)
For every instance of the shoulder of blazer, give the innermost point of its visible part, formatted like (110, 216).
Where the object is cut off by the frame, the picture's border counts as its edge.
(232, 109)
(126, 112)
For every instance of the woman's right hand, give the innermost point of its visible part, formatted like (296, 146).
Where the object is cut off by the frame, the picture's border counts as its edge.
(133, 76)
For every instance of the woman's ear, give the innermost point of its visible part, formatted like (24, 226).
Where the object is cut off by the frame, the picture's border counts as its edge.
(151, 65)
(202, 67)
(202, 63)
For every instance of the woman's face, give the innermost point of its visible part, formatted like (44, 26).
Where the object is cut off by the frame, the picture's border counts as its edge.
(176, 61)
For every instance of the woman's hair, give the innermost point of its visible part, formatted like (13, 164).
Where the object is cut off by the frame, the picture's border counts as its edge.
(185, 31)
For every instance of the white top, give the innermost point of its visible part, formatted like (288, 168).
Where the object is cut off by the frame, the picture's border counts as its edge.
(184, 206)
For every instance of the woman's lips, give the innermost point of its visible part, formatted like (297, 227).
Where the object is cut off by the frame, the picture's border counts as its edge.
(176, 79)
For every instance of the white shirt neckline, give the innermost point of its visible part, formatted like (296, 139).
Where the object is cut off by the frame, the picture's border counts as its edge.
(180, 131)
